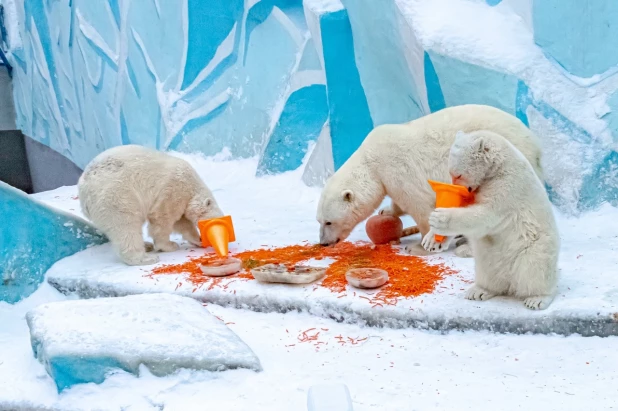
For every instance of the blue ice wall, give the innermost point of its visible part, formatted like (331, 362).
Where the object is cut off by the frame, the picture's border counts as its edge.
(581, 35)
(32, 238)
(274, 78)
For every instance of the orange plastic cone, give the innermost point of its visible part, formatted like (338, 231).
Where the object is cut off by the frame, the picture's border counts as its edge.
(449, 196)
(218, 233)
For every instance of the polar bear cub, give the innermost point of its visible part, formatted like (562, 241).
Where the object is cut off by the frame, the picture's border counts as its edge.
(126, 186)
(511, 226)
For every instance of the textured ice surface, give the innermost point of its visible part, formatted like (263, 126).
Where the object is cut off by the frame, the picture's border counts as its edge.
(33, 236)
(83, 341)
(275, 78)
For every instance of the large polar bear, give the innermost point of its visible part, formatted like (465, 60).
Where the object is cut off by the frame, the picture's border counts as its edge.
(126, 186)
(510, 227)
(398, 159)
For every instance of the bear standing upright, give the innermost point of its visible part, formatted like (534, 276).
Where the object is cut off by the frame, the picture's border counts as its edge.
(511, 226)
(126, 186)
(398, 159)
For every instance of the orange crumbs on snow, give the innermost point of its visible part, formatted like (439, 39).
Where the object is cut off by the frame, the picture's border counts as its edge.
(409, 276)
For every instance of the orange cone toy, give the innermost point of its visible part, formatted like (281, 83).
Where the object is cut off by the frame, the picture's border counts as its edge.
(450, 196)
(218, 233)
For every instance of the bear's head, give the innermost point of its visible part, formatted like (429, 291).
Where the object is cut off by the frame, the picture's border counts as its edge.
(472, 158)
(202, 206)
(349, 197)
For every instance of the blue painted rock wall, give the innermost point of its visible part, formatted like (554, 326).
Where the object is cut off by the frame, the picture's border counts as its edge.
(32, 238)
(268, 77)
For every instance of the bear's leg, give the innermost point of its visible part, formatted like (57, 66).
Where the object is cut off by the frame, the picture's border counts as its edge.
(126, 237)
(392, 210)
(489, 279)
(535, 277)
(160, 231)
(188, 231)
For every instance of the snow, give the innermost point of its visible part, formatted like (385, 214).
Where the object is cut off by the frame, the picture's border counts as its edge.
(323, 6)
(82, 341)
(392, 369)
(11, 21)
(329, 397)
(503, 42)
(586, 303)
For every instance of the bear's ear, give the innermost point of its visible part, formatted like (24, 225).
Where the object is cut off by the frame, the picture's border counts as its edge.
(347, 195)
(480, 145)
(459, 134)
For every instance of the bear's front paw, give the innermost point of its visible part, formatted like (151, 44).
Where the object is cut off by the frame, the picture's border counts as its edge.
(439, 220)
(386, 211)
(167, 247)
(430, 243)
(192, 239)
(196, 242)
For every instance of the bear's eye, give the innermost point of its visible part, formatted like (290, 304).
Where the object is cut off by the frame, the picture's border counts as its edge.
(328, 223)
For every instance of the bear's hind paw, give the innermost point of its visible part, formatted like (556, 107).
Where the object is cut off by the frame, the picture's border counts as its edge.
(141, 259)
(477, 293)
(539, 302)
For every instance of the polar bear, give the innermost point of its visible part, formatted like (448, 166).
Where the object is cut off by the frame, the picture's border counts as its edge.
(510, 227)
(125, 186)
(398, 159)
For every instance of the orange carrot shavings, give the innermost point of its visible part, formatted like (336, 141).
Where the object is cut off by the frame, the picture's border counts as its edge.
(409, 276)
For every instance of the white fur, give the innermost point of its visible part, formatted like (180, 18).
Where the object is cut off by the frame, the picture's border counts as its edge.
(398, 159)
(126, 186)
(510, 227)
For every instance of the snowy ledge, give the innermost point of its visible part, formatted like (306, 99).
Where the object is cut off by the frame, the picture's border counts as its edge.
(575, 311)
(587, 301)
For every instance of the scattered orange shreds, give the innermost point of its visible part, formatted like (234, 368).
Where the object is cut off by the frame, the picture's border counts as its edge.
(304, 337)
(409, 276)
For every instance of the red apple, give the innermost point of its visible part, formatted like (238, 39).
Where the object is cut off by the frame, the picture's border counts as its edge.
(382, 229)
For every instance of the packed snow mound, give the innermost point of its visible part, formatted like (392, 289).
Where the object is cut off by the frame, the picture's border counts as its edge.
(83, 341)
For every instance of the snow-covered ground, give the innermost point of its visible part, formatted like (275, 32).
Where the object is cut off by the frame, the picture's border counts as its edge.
(385, 369)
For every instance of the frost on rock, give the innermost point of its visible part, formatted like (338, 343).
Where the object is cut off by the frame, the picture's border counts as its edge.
(83, 341)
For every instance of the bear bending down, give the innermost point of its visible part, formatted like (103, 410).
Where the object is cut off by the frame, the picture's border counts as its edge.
(398, 159)
(510, 227)
(126, 186)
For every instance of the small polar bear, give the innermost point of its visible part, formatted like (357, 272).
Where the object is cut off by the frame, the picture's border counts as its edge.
(510, 227)
(398, 159)
(125, 186)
